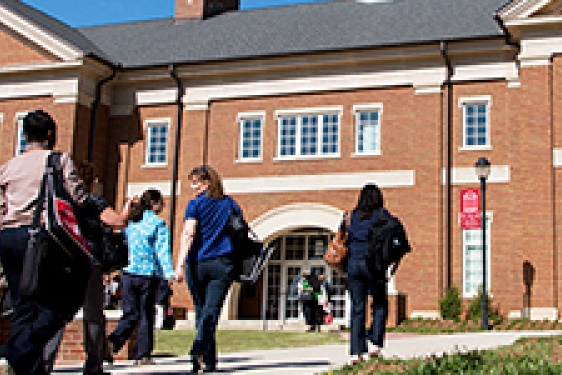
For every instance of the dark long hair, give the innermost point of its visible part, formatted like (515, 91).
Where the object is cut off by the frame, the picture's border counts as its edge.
(370, 199)
(147, 200)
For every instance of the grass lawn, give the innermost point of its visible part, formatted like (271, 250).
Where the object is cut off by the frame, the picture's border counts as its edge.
(526, 356)
(178, 342)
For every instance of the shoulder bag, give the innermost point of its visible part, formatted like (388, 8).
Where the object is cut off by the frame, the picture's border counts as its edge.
(250, 253)
(57, 261)
(337, 248)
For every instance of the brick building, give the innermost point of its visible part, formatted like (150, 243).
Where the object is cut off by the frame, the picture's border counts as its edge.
(297, 107)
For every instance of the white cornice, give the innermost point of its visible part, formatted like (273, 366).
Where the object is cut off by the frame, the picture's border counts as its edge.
(320, 182)
(522, 9)
(153, 97)
(26, 68)
(461, 176)
(58, 88)
(41, 38)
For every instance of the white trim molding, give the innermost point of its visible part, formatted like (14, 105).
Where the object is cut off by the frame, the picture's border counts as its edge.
(462, 176)
(320, 182)
(165, 187)
(155, 97)
(557, 157)
(297, 215)
(63, 89)
(59, 48)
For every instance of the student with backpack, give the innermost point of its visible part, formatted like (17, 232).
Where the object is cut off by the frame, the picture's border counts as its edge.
(363, 280)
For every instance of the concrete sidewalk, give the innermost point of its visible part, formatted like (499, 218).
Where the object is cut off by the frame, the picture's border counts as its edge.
(318, 359)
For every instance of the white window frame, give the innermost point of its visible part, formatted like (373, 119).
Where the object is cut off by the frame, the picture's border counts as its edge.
(472, 293)
(249, 116)
(476, 100)
(299, 114)
(151, 123)
(19, 132)
(362, 108)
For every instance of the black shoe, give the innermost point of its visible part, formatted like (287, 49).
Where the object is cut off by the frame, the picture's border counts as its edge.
(197, 362)
(311, 329)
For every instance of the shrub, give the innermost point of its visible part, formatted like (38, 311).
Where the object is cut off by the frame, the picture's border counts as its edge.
(475, 308)
(450, 306)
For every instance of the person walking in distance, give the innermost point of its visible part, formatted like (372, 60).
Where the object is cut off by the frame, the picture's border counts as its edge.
(150, 259)
(206, 247)
(362, 281)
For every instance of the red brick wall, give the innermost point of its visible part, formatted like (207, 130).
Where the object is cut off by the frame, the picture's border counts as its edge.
(16, 49)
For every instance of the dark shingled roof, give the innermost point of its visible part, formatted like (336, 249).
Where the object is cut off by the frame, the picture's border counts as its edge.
(326, 26)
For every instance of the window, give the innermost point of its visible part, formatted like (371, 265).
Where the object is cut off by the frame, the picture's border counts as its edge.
(476, 122)
(21, 142)
(251, 125)
(308, 134)
(157, 142)
(472, 260)
(367, 129)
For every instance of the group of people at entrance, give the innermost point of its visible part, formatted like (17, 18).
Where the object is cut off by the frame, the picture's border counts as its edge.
(206, 262)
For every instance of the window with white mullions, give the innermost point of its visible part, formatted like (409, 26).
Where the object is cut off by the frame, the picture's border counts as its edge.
(21, 142)
(476, 122)
(308, 135)
(472, 260)
(157, 142)
(251, 132)
(368, 132)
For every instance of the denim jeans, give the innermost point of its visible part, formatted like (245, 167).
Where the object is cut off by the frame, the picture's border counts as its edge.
(137, 296)
(32, 325)
(211, 279)
(361, 283)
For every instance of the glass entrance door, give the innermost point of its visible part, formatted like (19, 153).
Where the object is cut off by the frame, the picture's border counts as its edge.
(294, 252)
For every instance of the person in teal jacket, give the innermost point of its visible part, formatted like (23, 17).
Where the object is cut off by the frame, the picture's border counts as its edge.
(150, 260)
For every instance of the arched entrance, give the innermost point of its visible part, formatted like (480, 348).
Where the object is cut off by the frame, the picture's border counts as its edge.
(300, 234)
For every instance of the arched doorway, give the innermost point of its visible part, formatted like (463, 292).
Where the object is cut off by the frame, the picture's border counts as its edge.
(300, 234)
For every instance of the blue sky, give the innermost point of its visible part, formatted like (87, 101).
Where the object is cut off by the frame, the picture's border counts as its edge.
(78, 13)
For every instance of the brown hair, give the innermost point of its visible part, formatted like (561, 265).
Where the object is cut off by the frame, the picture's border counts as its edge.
(147, 199)
(85, 171)
(206, 173)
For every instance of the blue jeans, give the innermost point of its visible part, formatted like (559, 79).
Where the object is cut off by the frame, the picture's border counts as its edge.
(137, 299)
(211, 279)
(361, 283)
(32, 325)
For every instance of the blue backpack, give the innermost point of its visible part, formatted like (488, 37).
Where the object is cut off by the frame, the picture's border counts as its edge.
(387, 242)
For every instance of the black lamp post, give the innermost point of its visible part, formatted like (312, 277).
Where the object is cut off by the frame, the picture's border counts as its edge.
(483, 171)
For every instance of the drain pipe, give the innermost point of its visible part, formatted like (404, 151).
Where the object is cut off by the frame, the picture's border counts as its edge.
(448, 165)
(177, 141)
(94, 115)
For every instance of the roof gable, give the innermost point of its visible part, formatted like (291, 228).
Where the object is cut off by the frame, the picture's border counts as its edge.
(525, 9)
(47, 33)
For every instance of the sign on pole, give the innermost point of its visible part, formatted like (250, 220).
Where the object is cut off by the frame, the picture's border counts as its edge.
(470, 209)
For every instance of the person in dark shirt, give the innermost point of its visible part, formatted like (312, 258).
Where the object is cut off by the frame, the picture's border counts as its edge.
(363, 282)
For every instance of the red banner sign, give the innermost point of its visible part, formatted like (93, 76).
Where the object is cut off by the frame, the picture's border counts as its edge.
(470, 209)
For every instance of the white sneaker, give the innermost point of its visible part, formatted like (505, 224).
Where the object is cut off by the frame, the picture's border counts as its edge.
(5, 368)
(374, 350)
(354, 359)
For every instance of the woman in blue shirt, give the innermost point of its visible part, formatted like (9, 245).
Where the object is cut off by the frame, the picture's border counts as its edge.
(150, 260)
(206, 248)
(362, 281)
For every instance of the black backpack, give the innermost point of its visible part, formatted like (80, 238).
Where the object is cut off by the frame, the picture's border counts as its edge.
(387, 242)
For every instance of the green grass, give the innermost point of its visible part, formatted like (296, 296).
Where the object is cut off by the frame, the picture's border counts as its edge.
(526, 356)
(178, 342)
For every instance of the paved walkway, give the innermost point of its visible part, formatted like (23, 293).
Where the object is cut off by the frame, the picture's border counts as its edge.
(318, 359)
